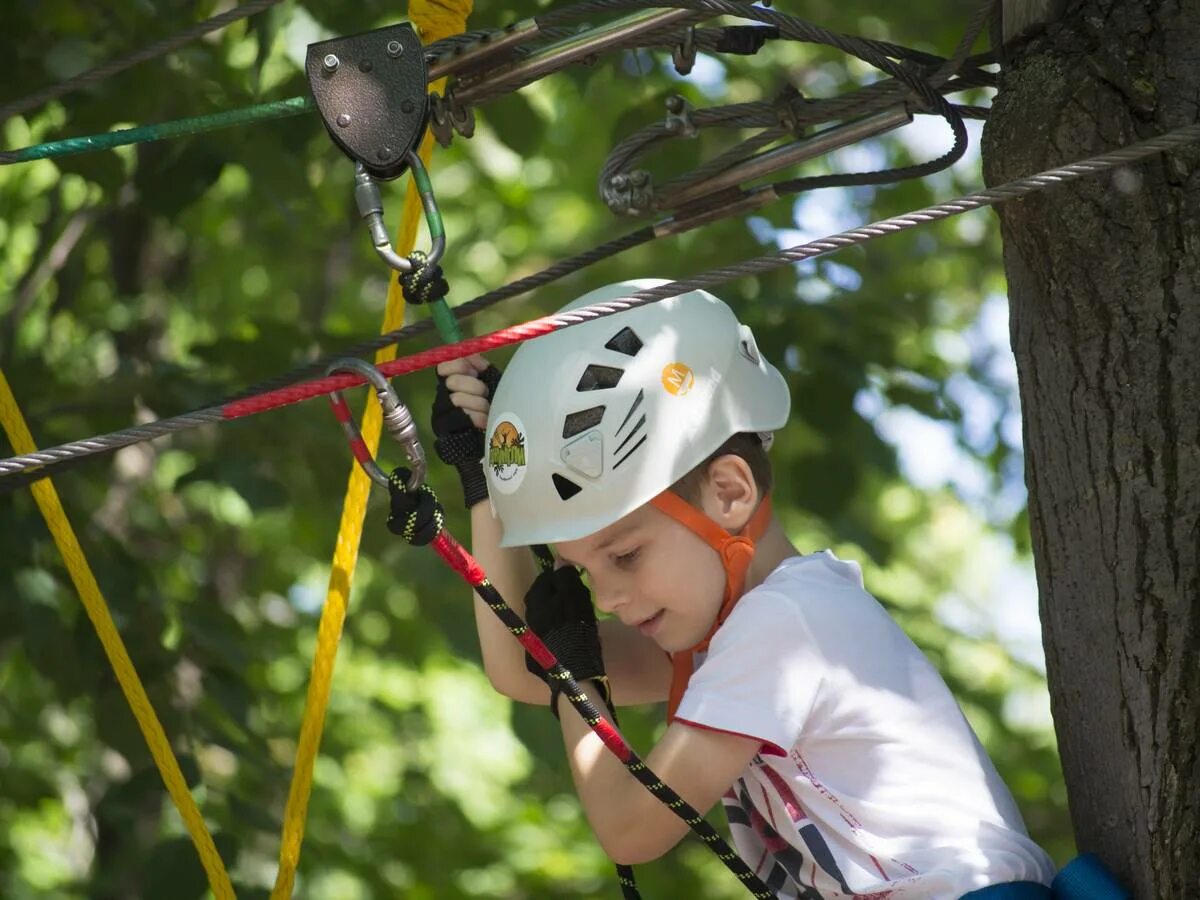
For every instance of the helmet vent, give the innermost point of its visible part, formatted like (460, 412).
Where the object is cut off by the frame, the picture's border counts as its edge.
(637, 401)
(625, 341)
(578, 422)
(565, 486)
(632, 450)
(636, 428)
(599, 378)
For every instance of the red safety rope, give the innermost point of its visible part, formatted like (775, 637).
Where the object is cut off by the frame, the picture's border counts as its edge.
(317, 387)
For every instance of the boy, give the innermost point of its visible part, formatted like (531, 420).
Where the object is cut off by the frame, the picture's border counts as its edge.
(636, 445)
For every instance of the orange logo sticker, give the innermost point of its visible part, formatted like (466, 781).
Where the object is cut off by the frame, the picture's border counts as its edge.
(677, 378)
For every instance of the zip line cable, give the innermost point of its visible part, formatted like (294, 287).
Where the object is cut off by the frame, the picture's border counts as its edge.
(141, 55)
(250, 405)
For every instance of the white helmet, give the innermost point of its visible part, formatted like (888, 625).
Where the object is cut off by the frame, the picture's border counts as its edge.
(592, 421)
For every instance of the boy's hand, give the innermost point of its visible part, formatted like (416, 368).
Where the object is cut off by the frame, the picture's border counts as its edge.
(460, 410)
(559, 610)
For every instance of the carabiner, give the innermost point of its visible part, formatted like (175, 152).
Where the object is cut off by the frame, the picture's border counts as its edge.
(370, 206)
(396, 418)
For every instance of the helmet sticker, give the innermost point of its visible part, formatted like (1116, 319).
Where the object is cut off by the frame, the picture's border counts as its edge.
(506, 453)
(678, 378)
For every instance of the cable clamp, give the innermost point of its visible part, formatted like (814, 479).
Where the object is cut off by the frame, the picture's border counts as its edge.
(448, 115)
(683, 54)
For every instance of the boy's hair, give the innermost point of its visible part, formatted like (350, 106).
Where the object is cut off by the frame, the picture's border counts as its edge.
(747, 446)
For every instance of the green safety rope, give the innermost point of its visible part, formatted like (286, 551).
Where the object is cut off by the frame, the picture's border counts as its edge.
(263, 112)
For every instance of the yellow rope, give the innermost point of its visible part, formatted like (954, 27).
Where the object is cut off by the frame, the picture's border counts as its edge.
(114, 648)
(434, 20)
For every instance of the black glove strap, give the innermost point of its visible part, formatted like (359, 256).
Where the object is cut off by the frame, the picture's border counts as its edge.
(458, 442)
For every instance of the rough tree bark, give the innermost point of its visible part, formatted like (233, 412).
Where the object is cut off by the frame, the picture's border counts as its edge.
(1104, 286)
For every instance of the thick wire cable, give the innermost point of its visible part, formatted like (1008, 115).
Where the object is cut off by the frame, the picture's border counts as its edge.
(141, 55)
(446, 49)
(551, 273)
(864, 234)
(907, 84)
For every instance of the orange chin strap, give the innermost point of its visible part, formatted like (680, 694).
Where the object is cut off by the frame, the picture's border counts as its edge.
(736, 552)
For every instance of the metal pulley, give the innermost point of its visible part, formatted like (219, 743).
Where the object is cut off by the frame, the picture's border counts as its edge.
(372, 91)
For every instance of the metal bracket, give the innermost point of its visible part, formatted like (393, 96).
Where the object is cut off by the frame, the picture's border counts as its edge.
(448, 115)
(371, 91)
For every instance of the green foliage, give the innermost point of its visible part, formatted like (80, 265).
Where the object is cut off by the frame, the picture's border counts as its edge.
(200, 266)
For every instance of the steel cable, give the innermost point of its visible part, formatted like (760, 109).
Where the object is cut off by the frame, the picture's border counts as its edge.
(861, 235)
(804, 112)
(551, 273)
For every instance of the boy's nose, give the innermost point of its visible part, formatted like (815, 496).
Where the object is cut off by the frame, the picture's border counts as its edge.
(608, 599)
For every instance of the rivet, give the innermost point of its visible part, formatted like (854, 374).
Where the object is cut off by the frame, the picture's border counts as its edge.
(343, 120)
(407, 107)
(394, 49)
(330, 63)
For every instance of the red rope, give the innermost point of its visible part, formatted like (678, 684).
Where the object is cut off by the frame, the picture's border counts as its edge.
(458, 558)
(306, 390)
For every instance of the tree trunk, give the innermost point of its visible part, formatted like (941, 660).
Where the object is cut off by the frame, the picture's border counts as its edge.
(1104, 287)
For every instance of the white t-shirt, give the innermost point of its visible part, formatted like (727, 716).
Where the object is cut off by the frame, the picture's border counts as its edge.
(870, 783)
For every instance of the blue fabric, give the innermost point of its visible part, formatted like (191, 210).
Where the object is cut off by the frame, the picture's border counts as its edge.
(1086, 878)
(1014, 890)
(1083, 878)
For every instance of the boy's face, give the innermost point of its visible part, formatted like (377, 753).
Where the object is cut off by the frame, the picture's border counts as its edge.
(653, 574)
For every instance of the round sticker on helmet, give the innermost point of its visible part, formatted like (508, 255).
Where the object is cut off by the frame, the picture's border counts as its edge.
(506, 453)
(678, 378)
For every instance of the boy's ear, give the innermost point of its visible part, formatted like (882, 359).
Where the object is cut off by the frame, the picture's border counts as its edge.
(729, 495)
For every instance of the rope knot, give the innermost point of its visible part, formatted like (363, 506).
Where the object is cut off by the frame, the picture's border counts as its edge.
(416, 515)
(425, 283)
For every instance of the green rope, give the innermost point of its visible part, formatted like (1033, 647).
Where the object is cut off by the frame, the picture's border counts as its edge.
(443, 318)
(263, 112)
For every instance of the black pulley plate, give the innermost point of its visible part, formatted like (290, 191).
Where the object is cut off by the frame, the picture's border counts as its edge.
(372, 91)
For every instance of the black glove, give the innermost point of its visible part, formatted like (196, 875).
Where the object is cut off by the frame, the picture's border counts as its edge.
(558, 609)
(458, 442)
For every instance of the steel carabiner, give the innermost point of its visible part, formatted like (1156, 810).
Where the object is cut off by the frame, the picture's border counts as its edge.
(396, 418)
(370, 206)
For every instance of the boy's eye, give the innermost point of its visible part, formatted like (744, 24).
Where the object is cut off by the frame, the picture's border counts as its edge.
(625, 559)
